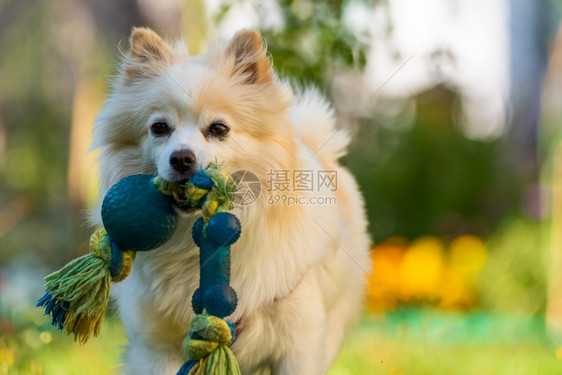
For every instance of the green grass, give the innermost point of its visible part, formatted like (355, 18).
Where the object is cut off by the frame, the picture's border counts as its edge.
(433, 343)
(411, 342)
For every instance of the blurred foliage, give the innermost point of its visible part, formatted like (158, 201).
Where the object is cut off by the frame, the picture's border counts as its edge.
(314, 43)
(34, 113)
(420, 175)
(44, 47)
(29, 345)
(514, 278)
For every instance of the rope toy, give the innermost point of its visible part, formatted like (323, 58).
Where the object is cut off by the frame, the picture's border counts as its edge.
(138, 215)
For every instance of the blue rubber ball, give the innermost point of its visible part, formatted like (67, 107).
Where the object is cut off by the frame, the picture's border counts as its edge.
(197, 301)
(138, 216)
(223, 229)
(220, 300)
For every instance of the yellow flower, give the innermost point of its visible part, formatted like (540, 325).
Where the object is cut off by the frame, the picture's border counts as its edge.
(468, 255)
(456, 292)
(7, 357)
(422, 269)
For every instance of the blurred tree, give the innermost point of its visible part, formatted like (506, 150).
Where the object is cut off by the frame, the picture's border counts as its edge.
(428, 178)
(45, 48)
(34, 111)
(514, 278)
(314, 42)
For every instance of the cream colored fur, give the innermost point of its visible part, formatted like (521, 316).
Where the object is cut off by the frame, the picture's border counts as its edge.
(298, 269)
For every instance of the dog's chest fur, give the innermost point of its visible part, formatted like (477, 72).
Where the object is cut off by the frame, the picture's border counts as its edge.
(162, 282)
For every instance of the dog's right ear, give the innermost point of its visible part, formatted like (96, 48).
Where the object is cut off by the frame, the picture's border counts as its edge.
(148, 56)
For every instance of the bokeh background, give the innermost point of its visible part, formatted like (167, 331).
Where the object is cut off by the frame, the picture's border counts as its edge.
(456, 111)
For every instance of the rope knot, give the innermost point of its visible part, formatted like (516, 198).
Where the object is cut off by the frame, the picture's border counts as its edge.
(207, 347)
(100, 245)
(120, 262)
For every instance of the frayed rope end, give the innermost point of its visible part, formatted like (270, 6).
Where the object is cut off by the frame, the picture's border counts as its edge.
(186, 367)
(55, 308)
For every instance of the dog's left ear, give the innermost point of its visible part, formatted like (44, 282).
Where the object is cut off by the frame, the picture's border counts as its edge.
(250, 59)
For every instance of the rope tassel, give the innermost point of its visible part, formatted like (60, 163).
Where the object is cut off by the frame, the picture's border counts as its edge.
(77, 295)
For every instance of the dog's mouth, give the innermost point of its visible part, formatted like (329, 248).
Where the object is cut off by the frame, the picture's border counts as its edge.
(181, 203)
(180, 200)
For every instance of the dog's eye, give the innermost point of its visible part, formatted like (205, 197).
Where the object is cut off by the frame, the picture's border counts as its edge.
(218, 129)
(160, 129)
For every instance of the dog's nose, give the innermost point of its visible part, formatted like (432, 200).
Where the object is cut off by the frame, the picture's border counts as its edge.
(182, 160)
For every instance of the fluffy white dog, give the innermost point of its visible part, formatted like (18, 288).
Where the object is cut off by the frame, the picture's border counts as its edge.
(298, 267)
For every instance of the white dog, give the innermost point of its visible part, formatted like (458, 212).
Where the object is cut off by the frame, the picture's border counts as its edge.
(299, 266)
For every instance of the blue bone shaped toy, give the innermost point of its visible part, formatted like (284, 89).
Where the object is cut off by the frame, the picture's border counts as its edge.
(138, 215)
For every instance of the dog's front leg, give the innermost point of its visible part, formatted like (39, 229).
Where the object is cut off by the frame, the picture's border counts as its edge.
(307, 357)
(305, 333)
(154, 346)
(305, 362)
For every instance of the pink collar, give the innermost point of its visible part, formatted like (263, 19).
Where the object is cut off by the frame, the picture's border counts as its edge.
(281, 298)
(240, 322)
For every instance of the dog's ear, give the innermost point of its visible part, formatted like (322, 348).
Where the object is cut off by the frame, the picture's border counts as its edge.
(250, 59)
(148, 55)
